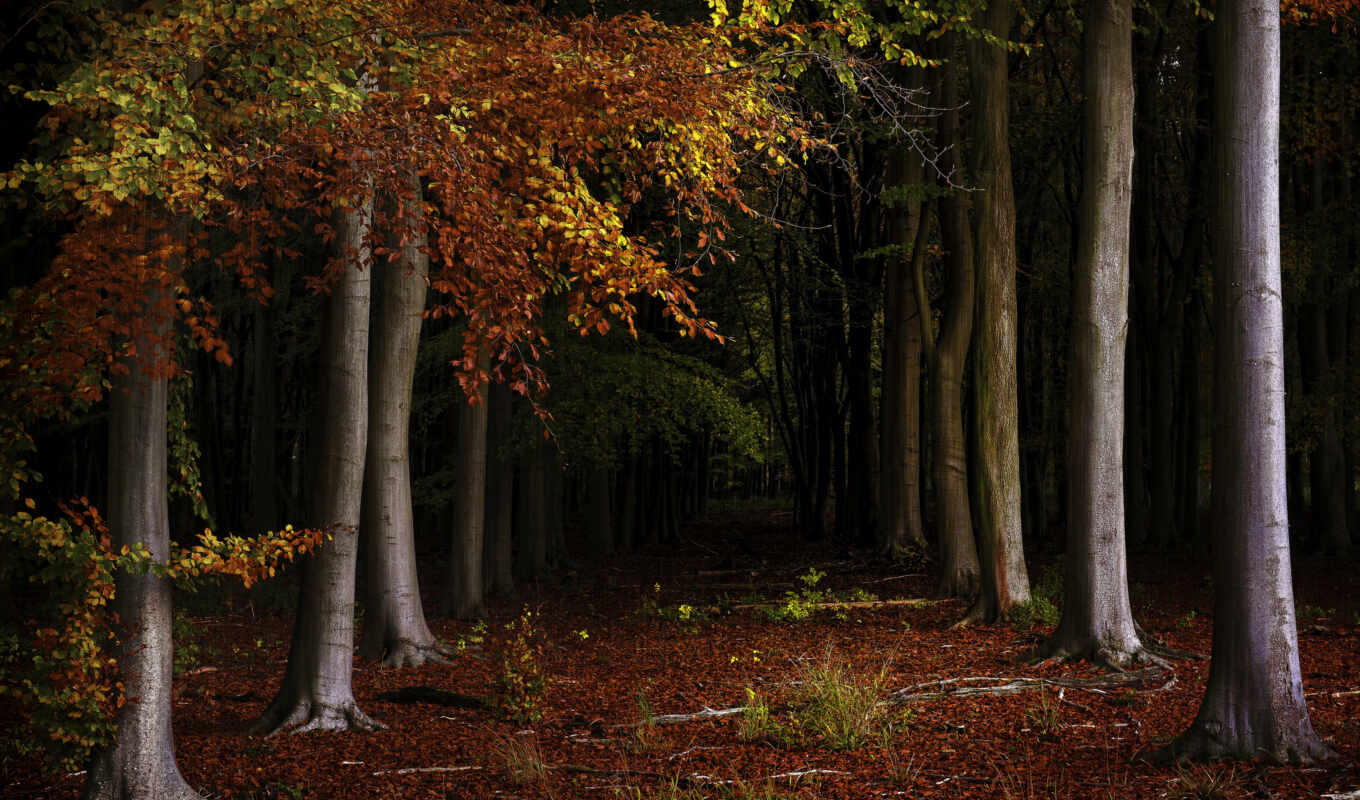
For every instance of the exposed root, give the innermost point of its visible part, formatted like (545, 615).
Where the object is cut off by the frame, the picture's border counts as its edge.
(1202, 744)
(1102, 655)
(409, 653)
(305, 715)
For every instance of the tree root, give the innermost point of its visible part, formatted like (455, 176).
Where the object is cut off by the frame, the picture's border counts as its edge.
(409, 653)
(1102, 655)
(305, 715)
(1201, 744)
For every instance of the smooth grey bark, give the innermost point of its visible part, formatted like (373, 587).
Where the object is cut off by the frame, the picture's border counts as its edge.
(1254, 704)
(317, 693)
(497, 548)
(465, 588)
(900, 523)
(1005, 584)
(959, 570)
(140, 765)
(395, 630)
(1097, 622)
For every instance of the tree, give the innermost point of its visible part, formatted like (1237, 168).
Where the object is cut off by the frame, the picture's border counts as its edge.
(465, 587)
(141, 763)
(394, 622)
(1253, 705)
(317, 693)
(1097, 622)
(996, 422)
(947, 357)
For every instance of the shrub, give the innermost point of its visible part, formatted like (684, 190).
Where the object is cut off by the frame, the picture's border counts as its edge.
(520, 684)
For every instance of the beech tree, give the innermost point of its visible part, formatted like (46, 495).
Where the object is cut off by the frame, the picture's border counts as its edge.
(1005, 584)
(1097, 622)
(1254, 704)
(394, 621)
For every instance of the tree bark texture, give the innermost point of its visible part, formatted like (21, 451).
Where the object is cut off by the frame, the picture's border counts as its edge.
(1254, 704)
(317, 692)
(1005, 583)
(140, 765)
(395, 629)
(1097, 622)
(464, 591)
(959, 568)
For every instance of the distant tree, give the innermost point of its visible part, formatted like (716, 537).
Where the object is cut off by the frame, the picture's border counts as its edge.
(1254, 704)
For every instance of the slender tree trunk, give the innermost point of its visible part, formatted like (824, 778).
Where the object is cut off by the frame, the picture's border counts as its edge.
(1135, 472)
(497, 561)
(1097, 622)
(140, 765)
(900, 524)
(531, 561)
(1254, 704)
(627, 503)
(1005, 583)
(394, 629)
(264, 408)
(599, 526)
(959, 570)
(317, 692)
(464, 591)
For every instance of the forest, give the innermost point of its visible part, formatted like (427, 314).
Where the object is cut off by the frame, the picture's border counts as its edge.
(738, 399)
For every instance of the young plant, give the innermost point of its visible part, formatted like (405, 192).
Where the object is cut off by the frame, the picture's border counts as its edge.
(522, 760)
(520, 682)
(840, 706)
(1043, 716)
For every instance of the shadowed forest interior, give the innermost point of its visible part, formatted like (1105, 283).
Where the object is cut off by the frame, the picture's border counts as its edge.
(746, 400)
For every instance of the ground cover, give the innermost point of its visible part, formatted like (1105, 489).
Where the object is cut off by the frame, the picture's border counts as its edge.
(738, 664)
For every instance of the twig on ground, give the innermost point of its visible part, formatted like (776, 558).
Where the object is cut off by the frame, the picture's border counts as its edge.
(844, 604)
(1013, 685)
(416, 770)
(674, 719)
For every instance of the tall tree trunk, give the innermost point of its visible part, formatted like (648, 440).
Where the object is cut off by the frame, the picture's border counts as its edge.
(140, 765)
(394, 621)
(317, 693)
(1254, 704)
(531, 560)
(264, 408)
(959, 570)
(497, 550)
(1005, 583)
(900, 523)
(599, 527)
(1097, 622)
(465, 588)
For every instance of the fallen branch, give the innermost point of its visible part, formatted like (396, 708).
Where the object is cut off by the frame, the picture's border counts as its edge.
(835, 605)
(1013, 685)
(416, 770)
(675, 719)
(1354, 795)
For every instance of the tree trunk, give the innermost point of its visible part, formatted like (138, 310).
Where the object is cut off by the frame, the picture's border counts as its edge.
(464, 591)
(1254, 704)
(599, 528)
(264, 409)
(531, 560)
(140, 765)
(1005, 583)
(958, 551)
(1097, 622)
(900, 523)
(394, 621)
(497, 550)
(316, 692)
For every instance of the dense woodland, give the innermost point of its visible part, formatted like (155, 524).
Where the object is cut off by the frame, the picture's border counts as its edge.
(765, 399)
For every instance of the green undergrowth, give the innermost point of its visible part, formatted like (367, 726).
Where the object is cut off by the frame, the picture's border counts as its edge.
(831, 704)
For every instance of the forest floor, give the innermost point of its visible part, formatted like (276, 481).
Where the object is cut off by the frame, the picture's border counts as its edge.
(633, 652)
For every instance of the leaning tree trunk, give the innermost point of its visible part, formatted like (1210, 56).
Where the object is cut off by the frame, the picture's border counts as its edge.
(1097, 622)
(1253, 705)
(996, 423)
(465, 588)
(316, 692)
(394, 622)
(958, 550)
(140, 765)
